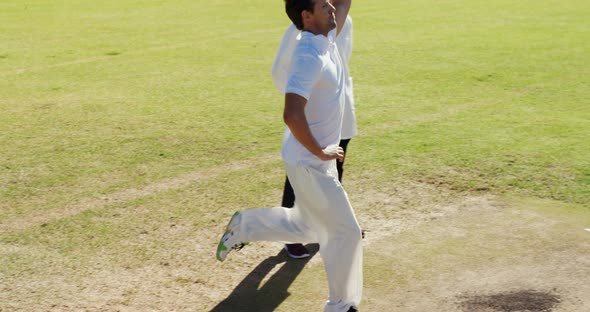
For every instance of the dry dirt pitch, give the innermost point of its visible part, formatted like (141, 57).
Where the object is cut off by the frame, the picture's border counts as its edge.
(427, 248)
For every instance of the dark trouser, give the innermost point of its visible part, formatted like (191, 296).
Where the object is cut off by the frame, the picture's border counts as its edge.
(289, 195)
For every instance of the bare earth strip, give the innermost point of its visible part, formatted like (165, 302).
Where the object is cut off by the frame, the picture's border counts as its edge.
(132, 194)
(496, 250)
(404, 222)
(191, 279)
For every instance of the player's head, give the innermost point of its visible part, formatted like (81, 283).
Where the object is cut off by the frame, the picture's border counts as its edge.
(316, 16)
(294, 9)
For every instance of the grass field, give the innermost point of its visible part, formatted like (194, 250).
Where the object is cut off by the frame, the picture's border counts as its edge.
(129, 129)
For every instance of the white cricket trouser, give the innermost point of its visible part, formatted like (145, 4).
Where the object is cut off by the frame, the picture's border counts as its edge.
(322, 214)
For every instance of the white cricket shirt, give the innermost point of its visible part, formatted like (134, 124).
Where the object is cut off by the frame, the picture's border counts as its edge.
(344, 42)
(317, 74)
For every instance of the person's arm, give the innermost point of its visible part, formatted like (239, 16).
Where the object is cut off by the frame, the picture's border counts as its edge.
(342, 9)
(294, 117)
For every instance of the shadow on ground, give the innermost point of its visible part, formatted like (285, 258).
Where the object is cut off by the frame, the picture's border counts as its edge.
(248, 296)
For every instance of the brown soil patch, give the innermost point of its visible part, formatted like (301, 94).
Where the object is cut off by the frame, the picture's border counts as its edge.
(536, 262)
(512, 301)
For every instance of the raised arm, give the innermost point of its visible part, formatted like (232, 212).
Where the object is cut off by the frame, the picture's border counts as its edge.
(342, 9)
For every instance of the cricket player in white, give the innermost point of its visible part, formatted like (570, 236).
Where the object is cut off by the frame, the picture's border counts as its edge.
(280, 71)
(282, 65)
(313, 113)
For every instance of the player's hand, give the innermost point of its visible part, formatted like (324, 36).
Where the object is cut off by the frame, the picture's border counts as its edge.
(332, 152)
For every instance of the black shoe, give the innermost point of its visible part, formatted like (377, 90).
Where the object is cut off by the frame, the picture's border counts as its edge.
(353, 309)
(296, 251)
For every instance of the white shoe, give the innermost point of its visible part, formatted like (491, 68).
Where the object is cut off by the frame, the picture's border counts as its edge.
(230, 240)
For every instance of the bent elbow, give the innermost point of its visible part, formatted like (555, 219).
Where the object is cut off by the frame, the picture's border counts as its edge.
(288, 118)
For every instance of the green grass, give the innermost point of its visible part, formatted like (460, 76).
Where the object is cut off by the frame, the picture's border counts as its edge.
(477, 99)
(97, 98)
(173, 100)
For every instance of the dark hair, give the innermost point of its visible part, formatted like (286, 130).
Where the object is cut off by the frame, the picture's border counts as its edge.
(294, 9)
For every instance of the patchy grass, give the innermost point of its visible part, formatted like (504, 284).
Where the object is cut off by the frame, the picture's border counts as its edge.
(122, 125)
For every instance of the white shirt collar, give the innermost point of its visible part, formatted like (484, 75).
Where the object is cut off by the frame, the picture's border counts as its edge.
(322, 42)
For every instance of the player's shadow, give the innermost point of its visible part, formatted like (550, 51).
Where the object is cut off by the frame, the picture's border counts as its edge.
(248, 296)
